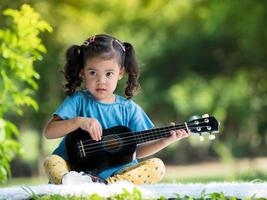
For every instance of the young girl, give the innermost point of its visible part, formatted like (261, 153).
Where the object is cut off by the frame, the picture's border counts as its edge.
(99, 63)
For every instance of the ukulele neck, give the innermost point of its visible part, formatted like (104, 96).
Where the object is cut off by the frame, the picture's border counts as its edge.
(156, 133)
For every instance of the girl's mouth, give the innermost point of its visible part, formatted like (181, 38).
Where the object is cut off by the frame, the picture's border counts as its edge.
(100, 90)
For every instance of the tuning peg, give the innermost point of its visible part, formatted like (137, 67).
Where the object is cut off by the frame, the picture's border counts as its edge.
(212, 137)
(193, 117)
(205, 115)
(215, 132)
(201, 138)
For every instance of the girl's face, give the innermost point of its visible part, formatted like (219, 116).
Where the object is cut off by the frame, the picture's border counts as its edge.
(101, 77)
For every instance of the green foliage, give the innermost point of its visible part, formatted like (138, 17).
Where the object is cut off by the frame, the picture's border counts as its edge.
(20, 48)
(8, 148)
(221, 196)
(125, 195)
(136, 195)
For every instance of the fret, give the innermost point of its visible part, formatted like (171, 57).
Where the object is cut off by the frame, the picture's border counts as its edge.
(186, 127)
(138, 138)
(151, 136)
(166, 130)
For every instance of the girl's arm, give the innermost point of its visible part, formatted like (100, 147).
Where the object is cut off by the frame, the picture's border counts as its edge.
(57, 127)
(150, 148)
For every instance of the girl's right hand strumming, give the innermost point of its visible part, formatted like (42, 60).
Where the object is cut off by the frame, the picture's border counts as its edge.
(92, 126)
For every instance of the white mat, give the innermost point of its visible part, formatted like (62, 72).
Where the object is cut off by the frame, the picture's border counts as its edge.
(239, 190)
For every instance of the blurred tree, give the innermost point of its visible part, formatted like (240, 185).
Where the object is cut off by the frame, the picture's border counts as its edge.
(196, 57)
(215, 62)
(20, 48)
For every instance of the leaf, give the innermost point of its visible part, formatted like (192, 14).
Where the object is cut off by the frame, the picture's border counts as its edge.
(20, 47)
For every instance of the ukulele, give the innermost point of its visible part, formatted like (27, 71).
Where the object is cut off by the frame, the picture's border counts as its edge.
(118, 143)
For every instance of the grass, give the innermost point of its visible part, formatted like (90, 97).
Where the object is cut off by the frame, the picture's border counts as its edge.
(256, 177)
(136, 195)
(248, 176)
(244, 170)
(245, 177)
(241, 170)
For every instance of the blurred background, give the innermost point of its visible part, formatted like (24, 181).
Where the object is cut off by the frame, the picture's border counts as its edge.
(195, 57)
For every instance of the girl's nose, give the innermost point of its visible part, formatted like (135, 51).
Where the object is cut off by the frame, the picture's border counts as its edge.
(101, 79)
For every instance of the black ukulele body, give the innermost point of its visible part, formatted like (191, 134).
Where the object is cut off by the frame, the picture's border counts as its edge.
(118, 143)
(85, 154)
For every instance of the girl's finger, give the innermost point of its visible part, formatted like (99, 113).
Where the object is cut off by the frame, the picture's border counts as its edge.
(99, 128)
(94, 133)
(181, 133)
(186, 134)
(97, 133)
(172, 132)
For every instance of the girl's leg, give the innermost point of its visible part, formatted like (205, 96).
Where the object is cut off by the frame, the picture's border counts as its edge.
(55, 168)
(146, 172)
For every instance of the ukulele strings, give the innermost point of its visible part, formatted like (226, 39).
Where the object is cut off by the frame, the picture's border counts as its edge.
(148, 135)
(146, 132)
(166, 128)
(151, 132)
(98, 146)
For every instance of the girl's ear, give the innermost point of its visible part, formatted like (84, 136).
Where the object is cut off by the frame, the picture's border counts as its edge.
(121, 74)
(81, 74)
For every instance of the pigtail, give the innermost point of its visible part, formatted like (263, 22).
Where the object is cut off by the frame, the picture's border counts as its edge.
(131, 68)
(72, 68)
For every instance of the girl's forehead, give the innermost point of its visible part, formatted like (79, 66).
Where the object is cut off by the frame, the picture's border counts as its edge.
(99, 63)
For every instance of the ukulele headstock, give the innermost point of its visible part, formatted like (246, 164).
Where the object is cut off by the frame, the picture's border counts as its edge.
(204, 125)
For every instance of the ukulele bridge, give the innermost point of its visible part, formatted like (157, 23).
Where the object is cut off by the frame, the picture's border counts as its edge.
(81, 149)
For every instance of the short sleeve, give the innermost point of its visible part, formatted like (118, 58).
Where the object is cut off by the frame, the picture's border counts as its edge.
(68, 109)
(139, 120)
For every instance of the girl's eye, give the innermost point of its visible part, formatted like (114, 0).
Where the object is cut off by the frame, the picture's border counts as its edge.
(109, 74)
(92, 73)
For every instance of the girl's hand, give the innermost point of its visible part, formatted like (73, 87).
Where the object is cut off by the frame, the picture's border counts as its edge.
(92, 126)
(176, 135)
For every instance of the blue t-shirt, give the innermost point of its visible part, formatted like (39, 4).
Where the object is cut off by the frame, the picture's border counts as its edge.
(122, 112)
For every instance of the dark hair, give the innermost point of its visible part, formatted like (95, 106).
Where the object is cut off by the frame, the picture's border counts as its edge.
(107, 47)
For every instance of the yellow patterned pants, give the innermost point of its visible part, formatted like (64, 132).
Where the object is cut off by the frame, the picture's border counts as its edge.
(146, 172)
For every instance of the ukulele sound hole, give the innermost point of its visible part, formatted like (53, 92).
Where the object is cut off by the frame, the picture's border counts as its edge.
(112, 143)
